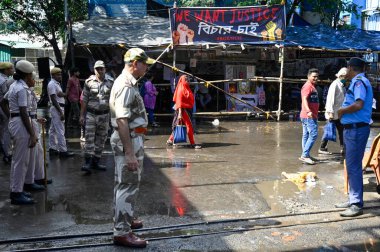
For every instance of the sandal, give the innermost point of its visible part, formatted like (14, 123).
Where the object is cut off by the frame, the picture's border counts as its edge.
(169, 142)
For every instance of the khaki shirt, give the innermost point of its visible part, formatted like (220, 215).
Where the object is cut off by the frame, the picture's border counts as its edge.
(96, 94)
(126, 102)
(18, 96)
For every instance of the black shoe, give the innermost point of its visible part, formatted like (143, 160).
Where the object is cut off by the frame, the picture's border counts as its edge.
(53, 152)
(28, 195)
(96, 166)
(18, 198)
(42, 181)
(353, 211)
(65, 154)
(87, 165)
(7, 159)
(33, 187)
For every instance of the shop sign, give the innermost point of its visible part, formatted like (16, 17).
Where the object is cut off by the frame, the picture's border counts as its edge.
(227, 25)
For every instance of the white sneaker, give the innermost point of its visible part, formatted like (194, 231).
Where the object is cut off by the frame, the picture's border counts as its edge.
(307, 160)
(324, 152)
(82, 139)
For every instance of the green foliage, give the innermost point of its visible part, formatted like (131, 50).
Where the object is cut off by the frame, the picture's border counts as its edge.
(192, 3)
(40, 19)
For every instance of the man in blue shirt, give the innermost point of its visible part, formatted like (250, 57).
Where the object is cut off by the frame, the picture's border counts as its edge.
(355, 115)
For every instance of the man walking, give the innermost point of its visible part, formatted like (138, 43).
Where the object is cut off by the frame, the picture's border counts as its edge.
(355, 115)
(96, 93)
(128, 117)
(57, 141)
(309, 115)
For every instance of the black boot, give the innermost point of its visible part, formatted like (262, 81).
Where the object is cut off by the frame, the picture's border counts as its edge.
(18, 198)
(96, 165)
(33, 187)
(87, 165)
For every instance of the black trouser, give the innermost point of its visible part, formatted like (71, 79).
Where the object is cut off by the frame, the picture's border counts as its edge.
(339, 127)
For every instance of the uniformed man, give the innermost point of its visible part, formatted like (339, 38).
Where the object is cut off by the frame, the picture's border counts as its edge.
(21, 130)
(35, 176)
(129, 119)
(96, 93)
(355, 115)
(6, 70)
(57, 141)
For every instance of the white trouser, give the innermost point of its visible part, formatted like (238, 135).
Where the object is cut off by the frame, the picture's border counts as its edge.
(36, 161)
(21, 153)
(5, 137)
(57, 139)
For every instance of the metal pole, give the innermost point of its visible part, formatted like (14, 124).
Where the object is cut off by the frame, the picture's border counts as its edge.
(282, 58)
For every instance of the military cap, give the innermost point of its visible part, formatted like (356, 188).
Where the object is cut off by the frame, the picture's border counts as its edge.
(99, 63)
(55, 70)
(358, 62)
(5, 65)
(137, 54)
(25, 66)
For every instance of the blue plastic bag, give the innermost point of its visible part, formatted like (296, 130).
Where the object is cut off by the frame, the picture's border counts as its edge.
(180, 134)
(329, 133)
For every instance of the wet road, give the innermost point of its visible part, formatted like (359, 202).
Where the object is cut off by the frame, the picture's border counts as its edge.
(237, 174)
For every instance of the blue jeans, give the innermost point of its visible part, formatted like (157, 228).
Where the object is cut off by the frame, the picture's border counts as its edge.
(355, 141)
(309, 135)
(150, 115)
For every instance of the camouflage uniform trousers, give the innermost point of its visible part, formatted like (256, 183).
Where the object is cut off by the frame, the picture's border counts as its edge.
(96, 134)
(126, 182)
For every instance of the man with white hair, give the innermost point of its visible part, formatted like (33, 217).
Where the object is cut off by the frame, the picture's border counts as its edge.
(334, 101)
(57, 140)
(6, 70)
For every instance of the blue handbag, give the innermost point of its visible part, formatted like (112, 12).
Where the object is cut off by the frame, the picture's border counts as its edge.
(180, 134)
(329, 132)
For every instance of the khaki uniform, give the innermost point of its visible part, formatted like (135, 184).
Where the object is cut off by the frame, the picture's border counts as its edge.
(36, 161)
(126, 102)
(5, 138)
(19, 96)
(96, 96)
(57, 140)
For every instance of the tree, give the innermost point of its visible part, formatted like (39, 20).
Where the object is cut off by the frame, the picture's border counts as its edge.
(40, 19)
(328, 9)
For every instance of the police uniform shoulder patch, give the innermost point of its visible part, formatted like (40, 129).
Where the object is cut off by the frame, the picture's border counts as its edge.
(358, 83)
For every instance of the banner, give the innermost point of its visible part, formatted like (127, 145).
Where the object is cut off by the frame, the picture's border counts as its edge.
(227, 25)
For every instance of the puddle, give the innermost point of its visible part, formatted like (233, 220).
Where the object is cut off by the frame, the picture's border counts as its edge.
(284, 196)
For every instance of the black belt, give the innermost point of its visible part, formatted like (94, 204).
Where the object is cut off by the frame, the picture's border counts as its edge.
(61, 104)
(15, 114)
(355, 125)
(97, 112)
(18, 114)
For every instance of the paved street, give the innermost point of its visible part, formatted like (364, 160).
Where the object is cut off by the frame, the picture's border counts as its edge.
(237, 175)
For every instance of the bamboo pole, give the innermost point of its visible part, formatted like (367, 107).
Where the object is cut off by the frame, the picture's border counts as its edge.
(282, 55)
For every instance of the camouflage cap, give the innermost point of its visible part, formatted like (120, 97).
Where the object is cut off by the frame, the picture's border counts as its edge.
(5, 65)
(137, 54)
(55, 70)
(99, 63)
(25, 66)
